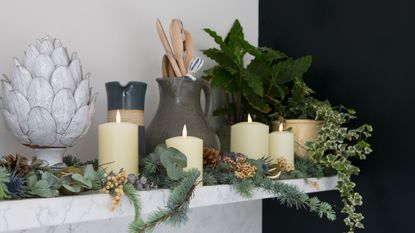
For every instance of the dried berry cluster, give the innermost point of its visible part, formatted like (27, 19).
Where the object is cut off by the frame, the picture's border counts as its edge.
(115, 186)
(283, 165)
(242, 168)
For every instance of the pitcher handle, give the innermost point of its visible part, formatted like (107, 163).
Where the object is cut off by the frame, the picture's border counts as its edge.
(208, 98)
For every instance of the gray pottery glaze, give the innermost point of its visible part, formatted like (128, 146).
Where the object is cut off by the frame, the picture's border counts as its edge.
(180, 104)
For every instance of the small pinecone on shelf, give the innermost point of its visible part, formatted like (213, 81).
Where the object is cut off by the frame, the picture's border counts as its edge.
(16, 163)
(211, 157)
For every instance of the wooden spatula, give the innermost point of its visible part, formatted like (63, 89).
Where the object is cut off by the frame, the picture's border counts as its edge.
(177, 43)
(188, 49)
(167, 48)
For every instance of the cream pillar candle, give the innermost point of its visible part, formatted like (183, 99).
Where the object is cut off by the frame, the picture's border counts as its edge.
(250, 138)
(118, 145)
(281, 145)
(191, 147)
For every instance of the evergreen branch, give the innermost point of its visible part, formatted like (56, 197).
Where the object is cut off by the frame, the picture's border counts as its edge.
(291, 196)
(177, 206)
(134, 199)
(71, 161)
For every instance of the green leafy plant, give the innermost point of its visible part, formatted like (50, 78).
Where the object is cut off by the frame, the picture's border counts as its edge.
(298, 104)
(256, 88)
(335, 148)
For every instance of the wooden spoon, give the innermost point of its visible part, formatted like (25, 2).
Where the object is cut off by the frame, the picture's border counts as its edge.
(188, 48)
(170, 71)
(177, 43)
(167, 48)
(164, 66)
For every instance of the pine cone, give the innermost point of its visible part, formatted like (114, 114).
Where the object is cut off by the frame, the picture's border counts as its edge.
(16, 163)
(211, 157)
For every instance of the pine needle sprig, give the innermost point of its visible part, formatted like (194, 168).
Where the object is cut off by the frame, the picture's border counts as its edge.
(291, 196)
(71, 161)
(134, 198)
(175, 212)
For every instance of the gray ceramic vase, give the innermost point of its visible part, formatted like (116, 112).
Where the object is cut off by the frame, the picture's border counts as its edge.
(180, 104)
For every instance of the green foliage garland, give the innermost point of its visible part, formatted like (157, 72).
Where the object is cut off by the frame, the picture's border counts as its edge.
(44, 182)
(305, 168)
(286, 194)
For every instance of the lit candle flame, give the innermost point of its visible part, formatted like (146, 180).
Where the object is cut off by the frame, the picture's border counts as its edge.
(249, 118)
(118, 117)
(281, 128)
(184, 132)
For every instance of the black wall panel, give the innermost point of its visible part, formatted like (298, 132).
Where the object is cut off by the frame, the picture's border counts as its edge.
(363, 57)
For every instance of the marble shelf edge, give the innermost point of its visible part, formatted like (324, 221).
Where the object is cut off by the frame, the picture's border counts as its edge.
(42, 212)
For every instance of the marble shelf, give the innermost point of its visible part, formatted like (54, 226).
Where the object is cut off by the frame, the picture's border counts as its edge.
(18, 215)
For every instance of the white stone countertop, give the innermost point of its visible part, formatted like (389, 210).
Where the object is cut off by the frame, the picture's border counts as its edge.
(43, 212)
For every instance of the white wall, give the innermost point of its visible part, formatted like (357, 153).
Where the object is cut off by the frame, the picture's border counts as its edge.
(115, 39)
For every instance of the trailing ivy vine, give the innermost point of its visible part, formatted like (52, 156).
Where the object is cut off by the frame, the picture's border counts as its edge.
(335, 148)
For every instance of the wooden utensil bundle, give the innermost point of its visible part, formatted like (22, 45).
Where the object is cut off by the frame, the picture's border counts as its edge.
(179, 55)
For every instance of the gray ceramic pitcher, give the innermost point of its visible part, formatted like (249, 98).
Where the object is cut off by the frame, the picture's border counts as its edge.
(180, 104)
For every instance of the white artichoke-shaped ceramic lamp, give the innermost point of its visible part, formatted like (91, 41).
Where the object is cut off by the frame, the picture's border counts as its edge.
(47, 103)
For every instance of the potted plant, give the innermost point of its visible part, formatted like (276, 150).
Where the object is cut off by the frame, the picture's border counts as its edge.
(298, 113)
(257, 87)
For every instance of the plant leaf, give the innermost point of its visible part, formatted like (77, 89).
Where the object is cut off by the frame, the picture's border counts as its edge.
(84, 181)
(218, 39)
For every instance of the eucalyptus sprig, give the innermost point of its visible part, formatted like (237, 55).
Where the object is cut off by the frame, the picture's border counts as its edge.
(164, 166)
(4, 178)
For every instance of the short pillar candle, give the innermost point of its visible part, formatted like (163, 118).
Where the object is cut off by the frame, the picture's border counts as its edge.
(191, 147)
(118, 146)
(281, 145)
(250, 138)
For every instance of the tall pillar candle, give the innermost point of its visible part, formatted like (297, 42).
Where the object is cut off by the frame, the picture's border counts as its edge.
(250, 138)
(129, 100)
(118, 146)
(281, 145)
(191, 147)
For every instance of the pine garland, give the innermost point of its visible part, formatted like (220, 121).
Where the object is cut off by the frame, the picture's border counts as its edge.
(177, 206)
(290, 196)
(175, 212)
(286, 194)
